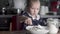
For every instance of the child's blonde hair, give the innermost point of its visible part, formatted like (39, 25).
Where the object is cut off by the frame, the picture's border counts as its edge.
(29, 2)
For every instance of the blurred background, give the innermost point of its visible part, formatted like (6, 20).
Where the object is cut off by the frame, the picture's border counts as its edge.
(9, 9)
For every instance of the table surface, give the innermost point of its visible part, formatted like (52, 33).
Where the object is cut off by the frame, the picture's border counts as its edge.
(16, 32)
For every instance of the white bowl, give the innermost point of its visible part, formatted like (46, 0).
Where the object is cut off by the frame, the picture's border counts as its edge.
(38, 31)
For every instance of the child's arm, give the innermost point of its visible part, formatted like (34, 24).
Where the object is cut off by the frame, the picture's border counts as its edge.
(43, 22)
(26, 20)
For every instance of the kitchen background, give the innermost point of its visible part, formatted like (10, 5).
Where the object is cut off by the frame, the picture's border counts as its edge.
(10, 8)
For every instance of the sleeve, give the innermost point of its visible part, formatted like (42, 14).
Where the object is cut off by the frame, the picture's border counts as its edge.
(43, 22)
(24, 26)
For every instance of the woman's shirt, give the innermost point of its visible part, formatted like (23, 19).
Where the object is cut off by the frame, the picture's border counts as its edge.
(35, 21)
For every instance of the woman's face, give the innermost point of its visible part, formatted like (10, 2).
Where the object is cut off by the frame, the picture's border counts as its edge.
(34, 9)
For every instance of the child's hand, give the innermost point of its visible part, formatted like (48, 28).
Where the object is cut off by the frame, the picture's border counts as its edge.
(25, 19)
(28, 21)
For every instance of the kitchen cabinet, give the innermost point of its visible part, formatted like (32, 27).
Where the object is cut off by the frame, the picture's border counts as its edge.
(5, 23)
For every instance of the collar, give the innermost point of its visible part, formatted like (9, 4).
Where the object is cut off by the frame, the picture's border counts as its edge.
(37, 17)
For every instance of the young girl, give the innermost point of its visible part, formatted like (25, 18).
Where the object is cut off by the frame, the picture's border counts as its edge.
(31, 14)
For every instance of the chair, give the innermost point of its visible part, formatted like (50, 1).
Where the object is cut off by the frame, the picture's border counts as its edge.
(14, 24)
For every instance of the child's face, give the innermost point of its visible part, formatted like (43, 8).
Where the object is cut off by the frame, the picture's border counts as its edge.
(34, 9)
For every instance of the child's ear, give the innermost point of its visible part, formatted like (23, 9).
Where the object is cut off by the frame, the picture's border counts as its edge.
(39, 11)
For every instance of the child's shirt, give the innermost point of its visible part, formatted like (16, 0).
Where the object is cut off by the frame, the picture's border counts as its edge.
(35, 21)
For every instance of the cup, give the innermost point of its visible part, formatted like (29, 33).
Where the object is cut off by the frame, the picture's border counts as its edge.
(52, 23)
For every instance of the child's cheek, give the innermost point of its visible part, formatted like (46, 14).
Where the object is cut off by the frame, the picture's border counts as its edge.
(31, 11)
(36, 12)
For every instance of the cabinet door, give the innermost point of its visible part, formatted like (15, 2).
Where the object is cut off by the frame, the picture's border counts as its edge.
(4, 24)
